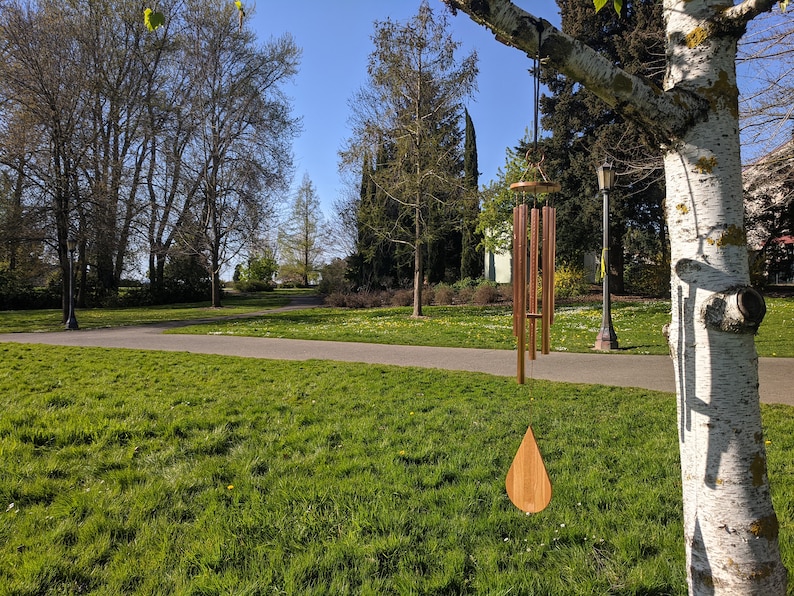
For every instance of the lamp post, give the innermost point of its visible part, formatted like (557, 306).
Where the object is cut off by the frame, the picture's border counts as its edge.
(71, 323)
(607, 339)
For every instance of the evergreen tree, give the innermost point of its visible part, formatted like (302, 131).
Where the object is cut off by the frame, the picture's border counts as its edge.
(304, 237)
(586, 132)
(471, 258)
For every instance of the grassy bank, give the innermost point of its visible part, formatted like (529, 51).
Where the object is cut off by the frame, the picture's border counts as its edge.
(638, 325)
(157, 473)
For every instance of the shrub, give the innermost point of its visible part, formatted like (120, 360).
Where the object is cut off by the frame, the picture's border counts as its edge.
(254, 285)
(334, 277)
(570, 281)
(648, 279)
(428, 295)
(465, 295)
(467, 283)
(337, 299)
(486, 293)
(444, 294)
(402, 298)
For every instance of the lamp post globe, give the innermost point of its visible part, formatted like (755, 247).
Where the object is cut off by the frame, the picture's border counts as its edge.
(606, 339)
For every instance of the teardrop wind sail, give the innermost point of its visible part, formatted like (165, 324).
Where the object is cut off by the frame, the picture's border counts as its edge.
(528, 484)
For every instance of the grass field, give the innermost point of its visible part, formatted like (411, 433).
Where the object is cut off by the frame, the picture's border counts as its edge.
(638, 325)
(129, 472)
(91, 318)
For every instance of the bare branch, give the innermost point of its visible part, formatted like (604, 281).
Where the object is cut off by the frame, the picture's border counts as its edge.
(743, 13)
(665, 113)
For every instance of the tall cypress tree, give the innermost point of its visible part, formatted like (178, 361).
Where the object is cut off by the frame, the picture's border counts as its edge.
(472, 254)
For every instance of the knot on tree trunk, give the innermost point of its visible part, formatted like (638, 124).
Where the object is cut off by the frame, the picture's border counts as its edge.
(739, 310)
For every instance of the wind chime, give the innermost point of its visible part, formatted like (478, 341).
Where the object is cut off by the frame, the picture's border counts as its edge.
(534, 248)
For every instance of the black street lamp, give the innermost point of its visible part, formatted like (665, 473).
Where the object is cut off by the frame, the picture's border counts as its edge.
(71, 323)
(607, 339)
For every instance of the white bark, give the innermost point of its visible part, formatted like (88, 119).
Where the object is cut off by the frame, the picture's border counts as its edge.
(729, 524)
(730, 527)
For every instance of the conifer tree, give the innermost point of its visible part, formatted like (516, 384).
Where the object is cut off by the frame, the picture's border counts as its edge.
(585, 132)
(412, 101)
(471, 258)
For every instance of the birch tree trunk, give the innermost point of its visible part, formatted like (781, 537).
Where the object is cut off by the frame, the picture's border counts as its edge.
(730, 527)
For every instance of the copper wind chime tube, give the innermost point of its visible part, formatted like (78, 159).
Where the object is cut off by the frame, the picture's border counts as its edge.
(528, 258)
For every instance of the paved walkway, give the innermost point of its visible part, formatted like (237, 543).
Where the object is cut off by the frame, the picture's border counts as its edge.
(649, 372)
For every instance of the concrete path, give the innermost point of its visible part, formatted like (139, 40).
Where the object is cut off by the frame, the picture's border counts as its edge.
(649, 372)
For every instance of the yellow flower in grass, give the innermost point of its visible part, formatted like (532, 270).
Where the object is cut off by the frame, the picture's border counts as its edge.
(230, 487)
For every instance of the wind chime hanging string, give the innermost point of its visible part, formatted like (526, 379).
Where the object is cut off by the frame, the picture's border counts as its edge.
(527, 482)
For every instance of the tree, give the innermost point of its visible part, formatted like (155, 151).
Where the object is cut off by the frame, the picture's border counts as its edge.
(495, 222)
(471, 258)
(730, 527)
(304, 237)
(42, 72)
(240, 153)
(411, 108)
(767, 84)
(585, 132)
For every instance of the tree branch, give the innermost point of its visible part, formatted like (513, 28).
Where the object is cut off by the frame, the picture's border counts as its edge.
(743, 13)
(667, 114)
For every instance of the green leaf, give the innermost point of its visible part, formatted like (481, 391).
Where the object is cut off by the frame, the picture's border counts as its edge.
(153, 19)
(618, 4)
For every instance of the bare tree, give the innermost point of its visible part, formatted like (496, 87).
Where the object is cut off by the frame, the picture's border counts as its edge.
(304, 236)
(42, 74)
(412, 107)
(731, 530)
(240, 152)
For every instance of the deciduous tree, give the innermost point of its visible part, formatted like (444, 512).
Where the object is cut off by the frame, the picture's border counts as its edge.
(412, 105)
(305, 235)
(730, 527)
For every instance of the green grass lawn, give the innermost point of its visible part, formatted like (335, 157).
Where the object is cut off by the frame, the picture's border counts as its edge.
(128, 472)
(638, 325)
(92, 318)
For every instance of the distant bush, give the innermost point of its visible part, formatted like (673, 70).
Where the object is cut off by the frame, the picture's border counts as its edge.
(486, 293)
(402, 298)
(428, 295)
(648, 279)
(570, 281)
(467, 283)
(254, 285)
(444, 294)
(333, 278)
(465, 295)
(17, 294)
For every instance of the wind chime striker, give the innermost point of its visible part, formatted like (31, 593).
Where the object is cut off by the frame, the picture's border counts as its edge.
(534, 249)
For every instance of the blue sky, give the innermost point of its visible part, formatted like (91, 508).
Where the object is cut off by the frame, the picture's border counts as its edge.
(335, 36)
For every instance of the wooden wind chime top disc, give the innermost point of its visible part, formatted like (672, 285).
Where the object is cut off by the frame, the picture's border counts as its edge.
(535, 187)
